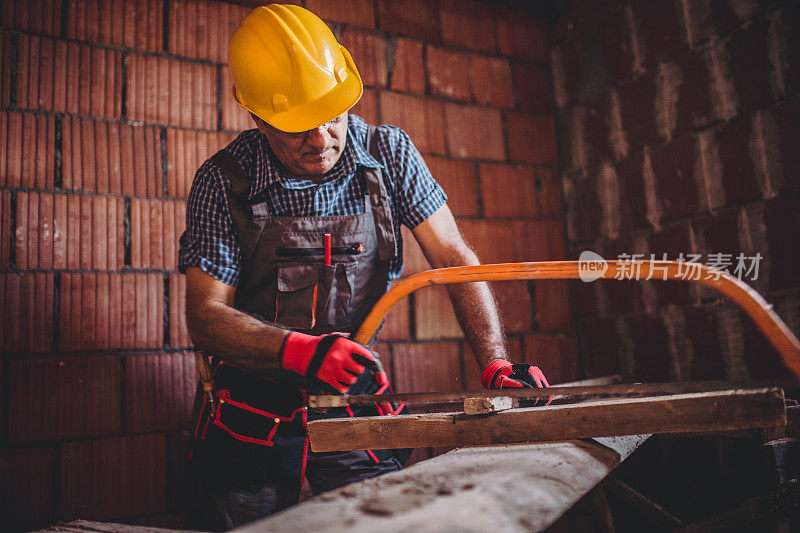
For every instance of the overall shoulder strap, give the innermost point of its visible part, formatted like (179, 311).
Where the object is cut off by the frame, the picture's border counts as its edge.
(238, 192)
(379, 200)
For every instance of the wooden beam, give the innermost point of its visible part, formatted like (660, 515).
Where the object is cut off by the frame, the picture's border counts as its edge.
(514, 489)
(710, 411)
(581, 389)
(655, 515)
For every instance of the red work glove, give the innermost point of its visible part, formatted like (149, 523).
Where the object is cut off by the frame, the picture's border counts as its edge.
(333, 359)
(501, 374)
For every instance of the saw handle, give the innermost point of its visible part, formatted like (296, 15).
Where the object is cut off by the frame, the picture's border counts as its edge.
(752, 303)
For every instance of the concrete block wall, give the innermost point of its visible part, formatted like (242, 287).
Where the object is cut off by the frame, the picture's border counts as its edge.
(107, 109)
(678, 127)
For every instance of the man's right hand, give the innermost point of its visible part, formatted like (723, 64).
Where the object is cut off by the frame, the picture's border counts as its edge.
(333, 359)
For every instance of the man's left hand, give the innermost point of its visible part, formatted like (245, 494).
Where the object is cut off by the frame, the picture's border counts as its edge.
(501, 374)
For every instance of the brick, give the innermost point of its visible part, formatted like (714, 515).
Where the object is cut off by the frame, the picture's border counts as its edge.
(26, 483)
(489, 239)
(422, 119)
(202, 29)
(549, 194)
(694, 100)
(367, 107)
(703, 334)
(368, 49)
(568, 62)
(602, 345)
(64, 398)
(789, 22)
(750, 67)
(159, 390)
(407, 73)
(234, 117)
(178, 334)
(468, 24)
(633, 202)
(27, 160)
(35, 231)
(532, 83)
(133, 24)
(61, 76)
(473, 372)
(783, 238)
(6, 51)
(623, 296)
(186, 152)
(738, 170)
(638, 111)
(411, 18)
(99, 157)
(433, 314)
(552, 305)
(616, 48)
(676, 183)
(530, 138)
(651, 349)
(457, 178)
(92, 471)
(36, 16)
(26, 315)
(146, 242)
(448, 73)
(672, 241)
(522, 35)
(491, 81)
(427, 367)
(355, 12)
(414, 261)
(786, 117)
(152, 81)
(132, 312)
(555, 355)
(89, 232)
(661, 27)
(760, 357)
(463, 122)
(583, 212)
(707, 19)
(398, 322)
(5, 227)
(508, 191)
(538, 240)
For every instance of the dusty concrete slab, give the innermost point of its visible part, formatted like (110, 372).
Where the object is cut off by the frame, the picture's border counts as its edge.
(493, 488)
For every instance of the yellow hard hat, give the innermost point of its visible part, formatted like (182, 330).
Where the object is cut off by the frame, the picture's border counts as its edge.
(289, 70)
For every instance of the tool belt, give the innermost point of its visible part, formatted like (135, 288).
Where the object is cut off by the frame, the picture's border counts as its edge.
(269, 408)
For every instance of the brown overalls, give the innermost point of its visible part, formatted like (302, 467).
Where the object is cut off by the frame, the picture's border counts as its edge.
(249, 457)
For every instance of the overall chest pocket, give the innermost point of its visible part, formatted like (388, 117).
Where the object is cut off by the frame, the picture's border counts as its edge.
(314, 295)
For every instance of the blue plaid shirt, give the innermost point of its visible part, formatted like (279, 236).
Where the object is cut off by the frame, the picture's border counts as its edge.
(209, 241)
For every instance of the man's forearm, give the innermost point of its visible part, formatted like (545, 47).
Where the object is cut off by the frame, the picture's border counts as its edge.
(476, 312)
(235, 336)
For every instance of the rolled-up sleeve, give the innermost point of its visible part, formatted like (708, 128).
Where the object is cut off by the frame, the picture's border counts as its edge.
(209, 241)
(417, 195)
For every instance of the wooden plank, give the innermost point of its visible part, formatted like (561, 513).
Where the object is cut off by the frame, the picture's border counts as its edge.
(561, 391)
(497, 488)
(710, 411)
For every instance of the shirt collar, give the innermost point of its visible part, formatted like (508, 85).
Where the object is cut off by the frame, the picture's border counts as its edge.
(355, 154)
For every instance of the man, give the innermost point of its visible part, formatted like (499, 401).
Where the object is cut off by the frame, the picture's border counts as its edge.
(293, 233)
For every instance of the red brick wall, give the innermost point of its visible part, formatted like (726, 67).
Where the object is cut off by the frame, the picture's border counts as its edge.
(679, 133)
(106, 110)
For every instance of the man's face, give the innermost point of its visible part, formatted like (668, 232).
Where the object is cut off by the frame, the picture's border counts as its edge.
(309, 154)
